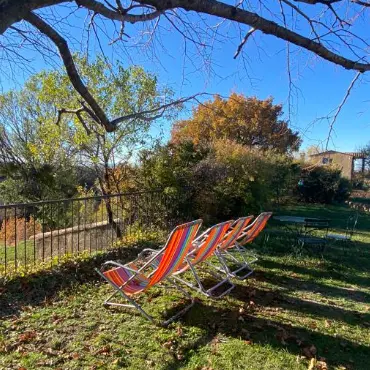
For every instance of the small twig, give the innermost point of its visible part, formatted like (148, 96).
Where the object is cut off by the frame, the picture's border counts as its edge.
(120, 35)
(348, 92)
(245, 39)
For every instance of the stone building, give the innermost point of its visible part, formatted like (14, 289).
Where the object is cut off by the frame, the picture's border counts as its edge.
(346, 162)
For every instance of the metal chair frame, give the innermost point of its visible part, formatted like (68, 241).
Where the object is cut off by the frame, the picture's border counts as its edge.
(350, 230)
(133, 304)
(166, 277)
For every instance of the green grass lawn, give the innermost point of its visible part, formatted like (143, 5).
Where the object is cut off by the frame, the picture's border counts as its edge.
(293, 308)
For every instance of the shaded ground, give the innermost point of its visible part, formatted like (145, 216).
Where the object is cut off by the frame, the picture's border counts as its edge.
(293, 308)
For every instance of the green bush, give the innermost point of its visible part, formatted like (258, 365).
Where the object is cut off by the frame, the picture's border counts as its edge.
(221, 181)
(323, 185)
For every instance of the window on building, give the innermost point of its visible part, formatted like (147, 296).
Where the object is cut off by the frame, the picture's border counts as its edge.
(326, 160)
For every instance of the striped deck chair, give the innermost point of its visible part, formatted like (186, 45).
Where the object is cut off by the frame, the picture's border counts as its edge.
(225, 257)
(251, 233)
(204, 247)
(129, 280)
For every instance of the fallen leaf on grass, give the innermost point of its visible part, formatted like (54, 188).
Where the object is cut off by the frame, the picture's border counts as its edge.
(321, 365)
(103, 351)
(27, 336)
(317, 365)
(179, 356)
(179, 331)
(311, 365)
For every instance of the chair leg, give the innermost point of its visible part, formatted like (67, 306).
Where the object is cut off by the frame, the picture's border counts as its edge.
(185, 309)
(243, 266)
(119, 291)
(135, 305)
(243, 251)
(200, 287)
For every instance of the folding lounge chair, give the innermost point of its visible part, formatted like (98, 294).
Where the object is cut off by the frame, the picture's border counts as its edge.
(204, 247)
(129, 280)
(224, 256)
(251, 233)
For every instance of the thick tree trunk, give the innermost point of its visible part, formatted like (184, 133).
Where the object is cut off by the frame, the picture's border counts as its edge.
(12, 11)
(106, 190)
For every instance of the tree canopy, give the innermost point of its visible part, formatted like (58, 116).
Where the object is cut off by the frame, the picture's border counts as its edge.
(39, 150)
(334, 30)
(247, 121)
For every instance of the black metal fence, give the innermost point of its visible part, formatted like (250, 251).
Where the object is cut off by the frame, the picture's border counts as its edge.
(33, 233)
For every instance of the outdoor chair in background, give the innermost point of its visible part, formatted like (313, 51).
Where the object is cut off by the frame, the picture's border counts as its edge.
(204, 247)
(130, 279)
(350, 229)
(315, 233)
(250, 234)
(225, 257)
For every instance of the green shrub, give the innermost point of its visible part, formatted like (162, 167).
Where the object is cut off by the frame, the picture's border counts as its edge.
(222, 181)
(323, 185)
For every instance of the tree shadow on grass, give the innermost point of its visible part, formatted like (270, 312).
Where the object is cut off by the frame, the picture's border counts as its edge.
(337, 215)
(325, 271)
(279, 299)
(246, 325)
(352, 255)
(40, 287)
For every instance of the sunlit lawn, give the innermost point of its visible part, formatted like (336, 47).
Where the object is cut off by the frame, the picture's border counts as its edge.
(293, 308)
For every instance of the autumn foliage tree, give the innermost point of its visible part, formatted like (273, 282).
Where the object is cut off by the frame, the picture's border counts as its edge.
(245, 120)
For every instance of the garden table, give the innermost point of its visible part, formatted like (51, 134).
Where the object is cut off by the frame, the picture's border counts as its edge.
(299, 226)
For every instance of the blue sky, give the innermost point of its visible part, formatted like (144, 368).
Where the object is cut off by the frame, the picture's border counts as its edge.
(320, 86)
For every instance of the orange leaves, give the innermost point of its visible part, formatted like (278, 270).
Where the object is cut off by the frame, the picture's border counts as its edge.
(27, 336)
(245, 120)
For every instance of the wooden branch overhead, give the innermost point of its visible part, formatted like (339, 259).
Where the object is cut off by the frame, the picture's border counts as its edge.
(13, 12)
(71, 69)
(351, 55)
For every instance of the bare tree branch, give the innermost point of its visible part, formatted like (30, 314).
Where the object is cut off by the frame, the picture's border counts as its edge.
(71, 69)
(334, 119)
(143, 114)
(216, 8)
(99, 8)
(245, 39)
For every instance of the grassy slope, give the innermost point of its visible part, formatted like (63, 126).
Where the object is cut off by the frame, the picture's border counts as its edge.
(290, 309)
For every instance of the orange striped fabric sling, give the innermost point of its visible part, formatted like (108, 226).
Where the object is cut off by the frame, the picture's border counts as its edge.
(231, 237)
(255, 228)
(175, 250)
(215, 236)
